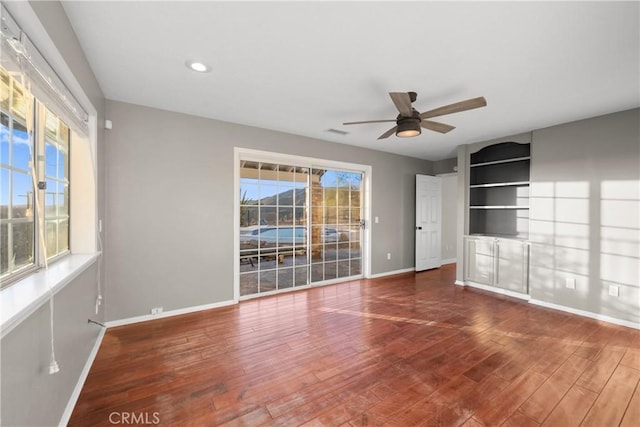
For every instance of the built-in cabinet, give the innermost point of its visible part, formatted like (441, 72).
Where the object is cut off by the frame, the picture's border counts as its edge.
(499, 262)
(480, 260)
(496, 250)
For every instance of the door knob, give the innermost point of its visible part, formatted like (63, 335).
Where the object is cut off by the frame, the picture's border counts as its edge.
(418, 228)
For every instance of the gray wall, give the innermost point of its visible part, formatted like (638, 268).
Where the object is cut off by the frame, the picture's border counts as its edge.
(29, 395)
(170, 205)
(445, 166)
(584, 213)
(449, 209)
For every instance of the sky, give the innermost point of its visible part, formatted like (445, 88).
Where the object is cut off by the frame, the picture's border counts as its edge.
(22, 182)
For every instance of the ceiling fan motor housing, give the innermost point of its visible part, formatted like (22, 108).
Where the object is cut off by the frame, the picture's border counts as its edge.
(408, 126)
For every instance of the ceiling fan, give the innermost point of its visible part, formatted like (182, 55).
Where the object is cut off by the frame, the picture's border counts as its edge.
(409, 121)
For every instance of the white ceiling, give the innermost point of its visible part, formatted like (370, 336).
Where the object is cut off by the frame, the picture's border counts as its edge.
(305, 67)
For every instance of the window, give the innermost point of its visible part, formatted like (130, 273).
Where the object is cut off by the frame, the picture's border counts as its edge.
(46, 150)
(56, 175)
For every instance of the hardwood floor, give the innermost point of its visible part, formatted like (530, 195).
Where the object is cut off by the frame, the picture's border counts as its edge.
(400, 351)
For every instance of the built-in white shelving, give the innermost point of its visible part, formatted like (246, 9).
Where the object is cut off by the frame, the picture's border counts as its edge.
(499, 190)
(499, 162)
(498, 207)
(501, 184)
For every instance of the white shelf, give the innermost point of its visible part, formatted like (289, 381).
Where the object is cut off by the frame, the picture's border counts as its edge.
(501, 184)
(498, 207)
(479, 236)
(499, 162)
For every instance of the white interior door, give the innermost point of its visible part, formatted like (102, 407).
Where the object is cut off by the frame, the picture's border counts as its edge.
(428, 222)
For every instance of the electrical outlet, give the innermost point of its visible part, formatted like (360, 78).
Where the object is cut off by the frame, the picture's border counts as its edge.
(570, 282)
(156, 310)
(389, 255)
(614, 291)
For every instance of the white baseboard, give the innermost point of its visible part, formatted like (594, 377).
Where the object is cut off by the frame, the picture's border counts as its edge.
(169, 313)
(406, 270)
(301, 288)
(496, 290)
(585, 313)
(392, 273)
(459, 283)
(66, 415)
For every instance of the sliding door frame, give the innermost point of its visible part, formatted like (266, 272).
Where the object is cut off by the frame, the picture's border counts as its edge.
(240, 154)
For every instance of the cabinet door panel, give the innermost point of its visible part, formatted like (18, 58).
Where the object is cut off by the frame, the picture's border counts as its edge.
(480, 261)
(513, 259)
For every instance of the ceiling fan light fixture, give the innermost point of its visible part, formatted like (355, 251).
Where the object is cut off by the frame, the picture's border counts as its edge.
(408, 128)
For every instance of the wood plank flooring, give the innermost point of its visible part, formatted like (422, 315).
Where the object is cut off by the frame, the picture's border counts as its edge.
(405, 350)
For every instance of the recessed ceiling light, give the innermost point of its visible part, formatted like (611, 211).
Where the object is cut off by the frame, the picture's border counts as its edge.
(198, 66)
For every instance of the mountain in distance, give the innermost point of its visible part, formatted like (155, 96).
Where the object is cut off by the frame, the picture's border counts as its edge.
(285, 199)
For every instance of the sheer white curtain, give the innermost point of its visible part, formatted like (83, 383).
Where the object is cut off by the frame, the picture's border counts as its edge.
(19, 55)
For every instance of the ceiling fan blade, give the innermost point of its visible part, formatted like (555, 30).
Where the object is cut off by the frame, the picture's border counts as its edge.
(435, 126)
(456, 107)
(388, 133)
(402, 100)
(368, 121)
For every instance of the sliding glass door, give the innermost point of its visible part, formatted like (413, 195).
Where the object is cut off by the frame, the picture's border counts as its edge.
(299, 225)
(273, 227)
(336, 232)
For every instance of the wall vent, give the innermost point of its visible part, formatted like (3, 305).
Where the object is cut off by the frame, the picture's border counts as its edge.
(339, 132)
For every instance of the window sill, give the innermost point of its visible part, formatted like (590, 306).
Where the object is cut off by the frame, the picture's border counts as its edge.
(20, 300)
